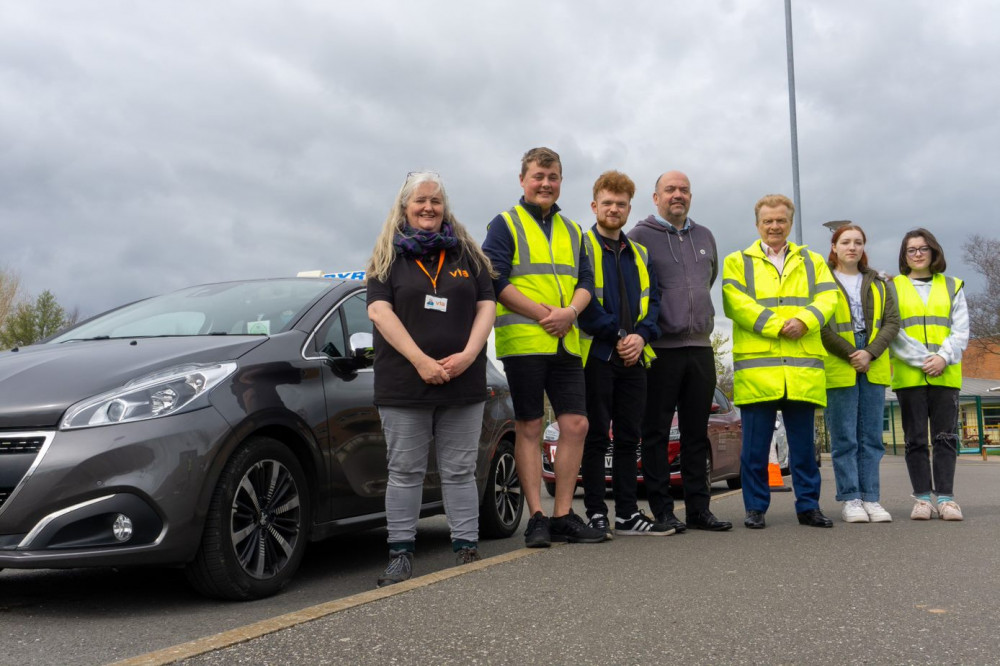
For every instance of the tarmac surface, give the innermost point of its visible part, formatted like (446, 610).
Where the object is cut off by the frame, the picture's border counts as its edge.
(906, 592)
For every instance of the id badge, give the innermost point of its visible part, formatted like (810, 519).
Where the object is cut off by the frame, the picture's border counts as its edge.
(436, 303)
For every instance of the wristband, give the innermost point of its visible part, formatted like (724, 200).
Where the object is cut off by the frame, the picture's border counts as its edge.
(575, 311)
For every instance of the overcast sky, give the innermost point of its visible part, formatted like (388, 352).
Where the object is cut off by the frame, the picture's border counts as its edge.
(149, 146)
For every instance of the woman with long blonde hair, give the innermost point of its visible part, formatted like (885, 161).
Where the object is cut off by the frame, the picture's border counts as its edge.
(430, 296)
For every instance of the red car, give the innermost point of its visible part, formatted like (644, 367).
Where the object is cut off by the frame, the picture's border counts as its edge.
(725, 431)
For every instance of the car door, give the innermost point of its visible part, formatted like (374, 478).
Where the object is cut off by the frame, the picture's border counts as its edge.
(729, 435)
(356, 444)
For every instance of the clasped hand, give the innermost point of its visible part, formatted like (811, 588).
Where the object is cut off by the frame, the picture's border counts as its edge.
(557, 321)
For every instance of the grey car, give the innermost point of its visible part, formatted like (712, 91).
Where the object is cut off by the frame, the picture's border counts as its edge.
(219, 428)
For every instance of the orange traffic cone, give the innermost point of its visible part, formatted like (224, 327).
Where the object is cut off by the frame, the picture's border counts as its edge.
(774, 480)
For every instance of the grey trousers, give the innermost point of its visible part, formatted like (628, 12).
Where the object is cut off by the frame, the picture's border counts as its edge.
(455, 432)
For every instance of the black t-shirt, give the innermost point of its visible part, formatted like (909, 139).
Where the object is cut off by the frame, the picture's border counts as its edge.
(438, 334)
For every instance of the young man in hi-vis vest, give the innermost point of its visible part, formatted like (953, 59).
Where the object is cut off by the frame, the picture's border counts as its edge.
(544, 282)
(616, 329)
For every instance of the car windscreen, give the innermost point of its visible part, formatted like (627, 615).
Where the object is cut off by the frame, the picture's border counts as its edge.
(260, 307)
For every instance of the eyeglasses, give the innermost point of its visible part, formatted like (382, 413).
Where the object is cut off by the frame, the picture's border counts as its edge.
(411, 174)
(914, 251)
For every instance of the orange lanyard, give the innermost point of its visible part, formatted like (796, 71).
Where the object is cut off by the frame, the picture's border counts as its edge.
(434, 280)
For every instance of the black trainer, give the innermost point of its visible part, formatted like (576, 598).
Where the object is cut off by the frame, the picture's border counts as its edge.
(600, 522)
(537, 534)
(400, 568)
(572, 529)
(639, 524)
(670, 520)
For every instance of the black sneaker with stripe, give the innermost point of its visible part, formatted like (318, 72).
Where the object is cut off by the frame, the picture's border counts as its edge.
(639, 524)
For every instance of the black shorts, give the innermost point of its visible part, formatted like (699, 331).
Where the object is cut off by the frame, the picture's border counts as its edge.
(559, 375)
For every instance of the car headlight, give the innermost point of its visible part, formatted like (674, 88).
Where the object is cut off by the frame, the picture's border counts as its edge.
(158, 394)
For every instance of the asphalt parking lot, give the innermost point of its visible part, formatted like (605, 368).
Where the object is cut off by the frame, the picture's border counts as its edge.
(904, 592)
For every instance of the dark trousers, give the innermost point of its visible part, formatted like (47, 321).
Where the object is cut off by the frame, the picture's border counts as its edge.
(615, 398)
(681, 379)
(758, 430)
(939, 406)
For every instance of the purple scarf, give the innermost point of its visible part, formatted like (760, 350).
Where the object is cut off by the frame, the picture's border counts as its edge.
(416, 243)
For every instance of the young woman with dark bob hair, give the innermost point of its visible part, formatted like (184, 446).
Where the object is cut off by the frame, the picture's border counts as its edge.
(857, 340)
(927, 370)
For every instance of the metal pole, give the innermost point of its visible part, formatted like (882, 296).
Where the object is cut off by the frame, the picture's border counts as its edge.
(792, 120)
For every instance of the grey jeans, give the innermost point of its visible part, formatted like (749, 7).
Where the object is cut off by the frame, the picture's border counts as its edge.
(409, 432)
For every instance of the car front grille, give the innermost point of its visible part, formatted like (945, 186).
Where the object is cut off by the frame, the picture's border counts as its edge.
(19, 444)
(20, 453)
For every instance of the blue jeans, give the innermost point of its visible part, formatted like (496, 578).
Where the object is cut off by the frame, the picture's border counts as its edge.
(758, 429)
(854, 421)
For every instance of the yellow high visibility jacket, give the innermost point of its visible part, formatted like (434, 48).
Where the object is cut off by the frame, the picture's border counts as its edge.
(840, 373)
(595, 254)
(768, 366)
(544, 272)
(929, 323)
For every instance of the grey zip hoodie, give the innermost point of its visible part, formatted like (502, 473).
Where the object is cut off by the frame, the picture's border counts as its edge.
(686, 264)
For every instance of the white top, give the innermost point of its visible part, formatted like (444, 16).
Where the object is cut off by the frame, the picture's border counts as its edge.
(852, 287)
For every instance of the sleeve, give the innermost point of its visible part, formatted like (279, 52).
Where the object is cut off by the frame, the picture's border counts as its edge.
(499, 247)
(648, 328)
(740, 307)
(834, 344)
(377, 290)
(484, 286)
(958, 337)
(585, 275)
(909, 351)
(715, 260)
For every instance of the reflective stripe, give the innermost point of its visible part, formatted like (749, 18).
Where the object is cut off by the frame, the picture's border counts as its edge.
(816, 313)
(826, 286)
(933, 347)
(751, 289)
(771, 362)
(842, 328)
(810, 273)
(878, 321)
(513, 318)
(599, 293)
(733, 283)
(926, 321)
(799, 301)
(758, 326)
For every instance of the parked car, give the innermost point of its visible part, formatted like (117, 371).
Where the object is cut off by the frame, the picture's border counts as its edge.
(219, 428)
(725, 431)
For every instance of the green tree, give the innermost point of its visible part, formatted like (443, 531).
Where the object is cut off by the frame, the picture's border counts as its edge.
(10, 288)
(30, 322)
(984, 307)
(723, 369)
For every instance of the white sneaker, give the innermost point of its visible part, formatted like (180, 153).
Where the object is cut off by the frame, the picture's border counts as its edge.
(853, 512)
(949, 510)
(876, 513)
(922, 510)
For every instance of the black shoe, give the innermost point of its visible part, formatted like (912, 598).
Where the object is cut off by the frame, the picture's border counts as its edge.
(704, 520)
(537, 534)
(400, 568)
(670, 520)
(600, 522)
(814, 518)
(754, 520)
(572, 529)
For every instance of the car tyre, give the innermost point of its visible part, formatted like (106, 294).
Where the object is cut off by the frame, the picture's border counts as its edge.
(550, 488)
(503, 502)
(257, 524)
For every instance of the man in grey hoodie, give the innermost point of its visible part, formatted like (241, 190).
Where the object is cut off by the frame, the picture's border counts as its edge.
(682, 376)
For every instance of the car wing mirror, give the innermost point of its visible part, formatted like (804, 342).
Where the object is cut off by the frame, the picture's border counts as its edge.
(362, 349)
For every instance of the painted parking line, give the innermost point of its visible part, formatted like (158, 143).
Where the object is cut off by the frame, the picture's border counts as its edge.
(249, 632)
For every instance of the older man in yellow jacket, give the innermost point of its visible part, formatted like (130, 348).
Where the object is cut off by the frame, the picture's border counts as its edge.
(778, 295)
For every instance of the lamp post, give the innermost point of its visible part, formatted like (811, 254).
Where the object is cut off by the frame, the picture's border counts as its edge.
(833, 225)
(792, 120)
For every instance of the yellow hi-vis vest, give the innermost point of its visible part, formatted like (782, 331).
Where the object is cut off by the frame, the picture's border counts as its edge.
(595, 254)
(545, 272)
(768, 366)
(840, 373)
(928, 323)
